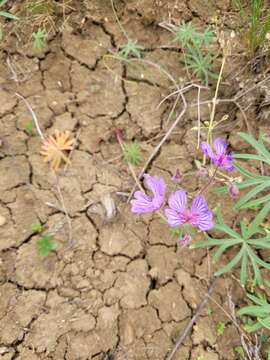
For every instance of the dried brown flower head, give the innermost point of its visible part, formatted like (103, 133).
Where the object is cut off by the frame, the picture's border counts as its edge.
(53, 148)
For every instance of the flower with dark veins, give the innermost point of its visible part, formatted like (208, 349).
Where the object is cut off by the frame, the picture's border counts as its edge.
(198, 215)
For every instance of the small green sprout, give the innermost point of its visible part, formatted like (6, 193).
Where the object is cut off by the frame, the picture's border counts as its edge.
(130, 49)
(29, 128)
(37, 227)
(209, 311)
(240, 351)
(186, 34)
(45, 245)
(39, 38)
(220, 328)
(201, 358)
(200, 64)
(132, 153)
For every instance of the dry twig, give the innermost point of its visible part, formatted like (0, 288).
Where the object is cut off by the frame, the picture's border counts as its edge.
(197, 313)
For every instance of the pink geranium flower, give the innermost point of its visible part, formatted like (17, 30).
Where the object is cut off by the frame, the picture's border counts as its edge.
(143, 203)
(198, 215)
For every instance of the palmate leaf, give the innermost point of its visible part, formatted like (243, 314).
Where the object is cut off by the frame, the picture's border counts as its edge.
(258, 183)
(247, 243)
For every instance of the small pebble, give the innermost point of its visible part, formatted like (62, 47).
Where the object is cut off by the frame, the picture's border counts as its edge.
(2, 220)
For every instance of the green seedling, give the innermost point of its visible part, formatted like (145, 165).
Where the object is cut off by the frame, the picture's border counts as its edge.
(197, 56)
(132, 153)
(45, 245)
(29, 128)
(240, 352)
(39, 38)
(37, 227)
(220, 328)
(130, 49)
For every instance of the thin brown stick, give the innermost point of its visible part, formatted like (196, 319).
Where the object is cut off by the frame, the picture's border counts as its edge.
(199, 118)
(198, 311)
(61, 198)
(40, 133)
(214, 102)
(72, 150)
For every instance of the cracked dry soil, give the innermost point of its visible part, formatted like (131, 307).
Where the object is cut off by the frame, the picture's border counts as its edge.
(124, 290)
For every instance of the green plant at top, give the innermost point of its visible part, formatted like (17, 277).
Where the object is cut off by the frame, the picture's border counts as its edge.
(39, 38)
(132, 153)
(197, 56)
(256, 20)
(45, 245)
(258, 183)
(248, 240)
(130, 49)
(6, 14)
(260, 312)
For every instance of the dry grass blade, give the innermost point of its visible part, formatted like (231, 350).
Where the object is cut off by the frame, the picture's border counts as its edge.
(54, 147)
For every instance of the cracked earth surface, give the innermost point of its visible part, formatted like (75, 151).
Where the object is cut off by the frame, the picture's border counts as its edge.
(123, 290)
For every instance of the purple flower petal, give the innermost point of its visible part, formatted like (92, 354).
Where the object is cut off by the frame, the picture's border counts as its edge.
(228, 166)
(228, 162)
(220, 146)
(199, 205)
(172, 217)
(178, 201)
(207, 150)
(142, 203)
(155, 184)
(205, 221)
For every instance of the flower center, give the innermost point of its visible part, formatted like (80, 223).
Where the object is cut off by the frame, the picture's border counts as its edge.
(221, 159)
(189, 217)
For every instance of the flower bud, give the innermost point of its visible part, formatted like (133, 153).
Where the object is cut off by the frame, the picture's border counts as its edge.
(177, 177)
(184, 241)
(233, 190)
(202, 172)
